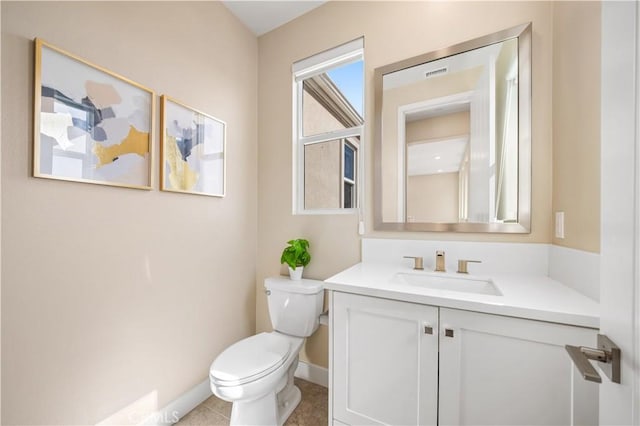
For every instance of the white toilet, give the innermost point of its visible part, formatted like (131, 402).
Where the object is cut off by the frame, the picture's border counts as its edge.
(256, 373)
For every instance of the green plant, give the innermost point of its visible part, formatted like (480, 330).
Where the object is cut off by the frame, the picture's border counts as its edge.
(296, 253)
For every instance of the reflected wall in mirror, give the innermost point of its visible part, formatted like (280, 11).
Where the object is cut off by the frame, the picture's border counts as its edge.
(453, 138)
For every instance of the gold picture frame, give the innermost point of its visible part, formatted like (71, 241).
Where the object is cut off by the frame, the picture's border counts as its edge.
(192, 150)
(90, 125)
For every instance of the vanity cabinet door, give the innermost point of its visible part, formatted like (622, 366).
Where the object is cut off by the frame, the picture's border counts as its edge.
(385, 362)
(497, 370)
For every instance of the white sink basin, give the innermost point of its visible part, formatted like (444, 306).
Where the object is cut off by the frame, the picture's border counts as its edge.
(466, 284)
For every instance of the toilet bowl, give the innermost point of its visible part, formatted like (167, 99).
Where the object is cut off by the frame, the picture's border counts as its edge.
(256, 373)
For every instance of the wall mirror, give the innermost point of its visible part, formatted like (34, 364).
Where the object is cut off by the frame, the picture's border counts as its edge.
(453, 138)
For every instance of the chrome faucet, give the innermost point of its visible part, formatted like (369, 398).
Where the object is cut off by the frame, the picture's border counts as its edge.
(440, 261)
(417, 262)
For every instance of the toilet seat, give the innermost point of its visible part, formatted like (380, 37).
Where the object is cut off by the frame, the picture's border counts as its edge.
(250, 359)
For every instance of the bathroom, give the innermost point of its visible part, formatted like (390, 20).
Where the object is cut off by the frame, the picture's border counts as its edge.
(109, 320)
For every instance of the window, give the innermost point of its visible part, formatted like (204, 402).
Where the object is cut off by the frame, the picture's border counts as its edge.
(328, 117)
(349, 175)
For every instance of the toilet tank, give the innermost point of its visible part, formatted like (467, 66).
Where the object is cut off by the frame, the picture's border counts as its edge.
(294, 306)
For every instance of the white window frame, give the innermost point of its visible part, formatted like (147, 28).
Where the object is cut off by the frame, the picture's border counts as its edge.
(347, 53)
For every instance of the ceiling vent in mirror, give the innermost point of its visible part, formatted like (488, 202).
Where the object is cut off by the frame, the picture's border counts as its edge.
(436, 72)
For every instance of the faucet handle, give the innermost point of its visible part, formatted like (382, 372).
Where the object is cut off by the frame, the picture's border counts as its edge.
(417, 262)
(462, 265)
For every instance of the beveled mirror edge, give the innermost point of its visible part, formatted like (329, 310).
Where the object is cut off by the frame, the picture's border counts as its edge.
(524, 34)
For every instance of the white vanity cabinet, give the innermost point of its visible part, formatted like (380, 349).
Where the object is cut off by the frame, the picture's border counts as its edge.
(475, 369)
(385, 366)
(501, 370)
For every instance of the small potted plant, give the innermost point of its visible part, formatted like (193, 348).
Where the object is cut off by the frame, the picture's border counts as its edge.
(296, 256)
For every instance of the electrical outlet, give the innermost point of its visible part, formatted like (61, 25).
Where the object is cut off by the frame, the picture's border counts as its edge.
(559, 224)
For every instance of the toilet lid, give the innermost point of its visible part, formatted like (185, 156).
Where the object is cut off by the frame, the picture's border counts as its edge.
(302, 286)
(250, 359)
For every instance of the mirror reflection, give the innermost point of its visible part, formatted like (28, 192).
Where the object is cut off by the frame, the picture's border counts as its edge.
(449, 143)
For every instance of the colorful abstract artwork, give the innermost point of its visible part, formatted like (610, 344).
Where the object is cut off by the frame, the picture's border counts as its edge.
(91, 125)
(193, 150)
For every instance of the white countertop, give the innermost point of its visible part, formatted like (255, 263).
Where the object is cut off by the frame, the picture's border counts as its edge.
(523, 296)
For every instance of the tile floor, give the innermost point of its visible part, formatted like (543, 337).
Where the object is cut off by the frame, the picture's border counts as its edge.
(312, 410)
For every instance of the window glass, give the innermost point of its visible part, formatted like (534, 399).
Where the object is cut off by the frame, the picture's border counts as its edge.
(348, 195)
(328, 117)
(349, 162)
(348, 79)
(333, 100)
(322, 175)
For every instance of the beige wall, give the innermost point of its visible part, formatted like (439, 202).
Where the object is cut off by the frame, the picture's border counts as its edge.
(433, 198)
(393, 30)
(576, 122)
(110, 295)
(442, 126)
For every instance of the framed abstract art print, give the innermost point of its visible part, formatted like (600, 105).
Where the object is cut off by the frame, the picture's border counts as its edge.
(192, 150)
(90, 124)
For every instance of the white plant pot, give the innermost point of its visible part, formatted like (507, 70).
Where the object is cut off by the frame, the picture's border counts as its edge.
(296, 274)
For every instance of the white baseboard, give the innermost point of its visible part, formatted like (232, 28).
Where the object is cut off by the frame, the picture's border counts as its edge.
(312, 373)
(179, 407)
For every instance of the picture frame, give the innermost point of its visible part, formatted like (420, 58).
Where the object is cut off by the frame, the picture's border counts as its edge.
(192, 150)
(91, 125)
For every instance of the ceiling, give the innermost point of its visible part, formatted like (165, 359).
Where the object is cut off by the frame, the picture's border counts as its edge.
(431, 158)
(264, 16)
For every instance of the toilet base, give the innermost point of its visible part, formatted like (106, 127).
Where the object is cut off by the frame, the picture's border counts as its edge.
(265, 411)
(261, 411)
(286, 407)
(271, 409)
